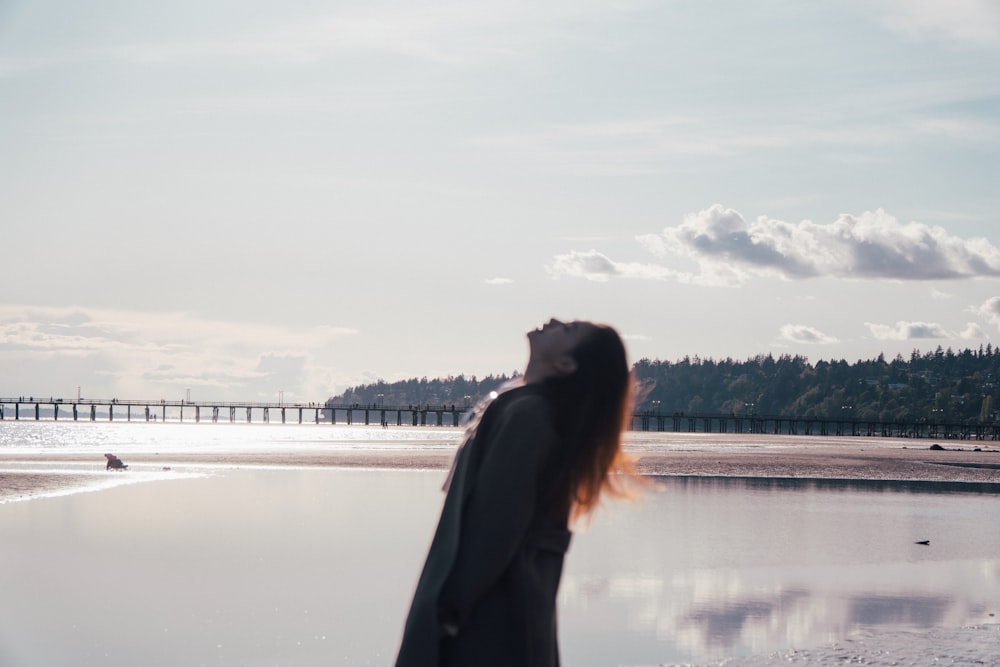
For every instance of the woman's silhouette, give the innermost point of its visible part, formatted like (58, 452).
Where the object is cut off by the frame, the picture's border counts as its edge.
(539, 455)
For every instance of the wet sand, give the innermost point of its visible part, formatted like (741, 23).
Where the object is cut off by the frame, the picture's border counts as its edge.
(802, 458)
(799, 458)
(973, 646)
(914, 461)
(52, 473)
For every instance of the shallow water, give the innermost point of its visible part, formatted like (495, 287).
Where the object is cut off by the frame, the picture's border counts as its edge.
(214, 564)
(707, 568)
(46, 458)
(36, 437)
(316, 566)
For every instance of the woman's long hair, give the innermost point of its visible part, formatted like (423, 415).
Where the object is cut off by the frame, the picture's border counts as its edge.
(592, 409)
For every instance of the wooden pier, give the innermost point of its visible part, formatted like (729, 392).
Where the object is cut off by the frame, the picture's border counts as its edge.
(81, 409)
(85, 409)
(822, 426)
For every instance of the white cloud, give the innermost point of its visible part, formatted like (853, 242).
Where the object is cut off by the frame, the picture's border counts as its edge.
(907, 330)
(967, 21)
(939, 295)
(677, 143)
(591, 265)
(129, 350)
(449, 33)
(801, 333)
(598, 267)
(989, 310)
(635, 145)
(973, 331)
(869, 246)
(498, 281)
(956, 129)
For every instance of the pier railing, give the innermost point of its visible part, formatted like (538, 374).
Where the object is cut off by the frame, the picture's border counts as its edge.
(85, 409)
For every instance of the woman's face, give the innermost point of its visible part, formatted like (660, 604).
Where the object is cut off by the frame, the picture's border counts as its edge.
(552, 345)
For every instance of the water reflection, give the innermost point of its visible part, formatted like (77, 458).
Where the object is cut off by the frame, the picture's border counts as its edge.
(713, 567)
(918, 611)
(718, 627)
(317, 566)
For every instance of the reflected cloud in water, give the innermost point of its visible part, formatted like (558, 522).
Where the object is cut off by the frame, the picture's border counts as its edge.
(719, 567)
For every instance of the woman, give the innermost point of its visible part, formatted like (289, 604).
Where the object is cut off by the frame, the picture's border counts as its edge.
(538, 456)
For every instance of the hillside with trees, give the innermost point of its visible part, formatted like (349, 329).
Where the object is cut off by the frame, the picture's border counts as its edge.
(940, 385)
(459, 391)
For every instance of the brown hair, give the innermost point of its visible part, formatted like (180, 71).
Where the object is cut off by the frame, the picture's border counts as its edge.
(593, 408)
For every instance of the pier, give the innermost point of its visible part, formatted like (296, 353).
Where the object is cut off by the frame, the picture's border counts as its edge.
(180, 411)
(163, 410)
(822, 426)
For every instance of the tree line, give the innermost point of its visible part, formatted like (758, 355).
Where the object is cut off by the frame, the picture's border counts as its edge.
(941, 385)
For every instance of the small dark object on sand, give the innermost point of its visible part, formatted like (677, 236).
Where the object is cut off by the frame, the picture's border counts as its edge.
(114, 463)
(936, 447)
(924, 542)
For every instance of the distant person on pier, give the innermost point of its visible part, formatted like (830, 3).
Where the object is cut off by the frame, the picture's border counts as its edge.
(541, 454)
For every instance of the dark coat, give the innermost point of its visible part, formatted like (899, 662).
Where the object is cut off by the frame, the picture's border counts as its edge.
(494, 564)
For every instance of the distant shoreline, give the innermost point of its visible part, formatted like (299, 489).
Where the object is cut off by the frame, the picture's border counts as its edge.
(904, 462)
(25, 475)
(798, 459)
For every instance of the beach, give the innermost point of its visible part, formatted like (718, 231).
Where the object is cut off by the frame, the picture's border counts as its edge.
(146, 531)
(743, 456)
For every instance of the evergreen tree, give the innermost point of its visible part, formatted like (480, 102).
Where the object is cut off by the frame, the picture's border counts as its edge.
(940, 385)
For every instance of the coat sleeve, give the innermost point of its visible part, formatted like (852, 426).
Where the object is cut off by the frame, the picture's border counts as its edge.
(501, 506)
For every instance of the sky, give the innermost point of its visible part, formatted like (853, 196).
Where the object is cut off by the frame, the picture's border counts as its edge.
(253, 200)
